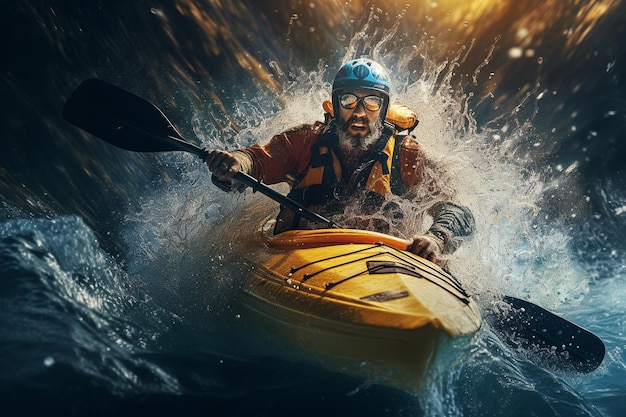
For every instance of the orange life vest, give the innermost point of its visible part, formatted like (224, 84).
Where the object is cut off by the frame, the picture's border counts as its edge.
(380, 174)
(374, 175)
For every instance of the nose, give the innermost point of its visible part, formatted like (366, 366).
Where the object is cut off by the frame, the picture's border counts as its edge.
(360, 108)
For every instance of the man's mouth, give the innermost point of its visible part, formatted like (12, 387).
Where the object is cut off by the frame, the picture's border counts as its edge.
(358, 126)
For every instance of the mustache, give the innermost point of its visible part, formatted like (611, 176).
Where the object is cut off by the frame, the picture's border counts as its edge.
(354, 119)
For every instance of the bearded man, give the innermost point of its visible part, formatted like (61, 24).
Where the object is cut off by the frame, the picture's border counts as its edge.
(357, 152)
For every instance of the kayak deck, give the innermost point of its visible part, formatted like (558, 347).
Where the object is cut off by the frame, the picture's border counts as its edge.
(371, 284)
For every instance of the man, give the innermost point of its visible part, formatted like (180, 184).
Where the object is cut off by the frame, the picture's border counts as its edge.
(355, 154)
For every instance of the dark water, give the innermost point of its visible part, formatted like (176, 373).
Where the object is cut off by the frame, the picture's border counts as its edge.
(114, 300)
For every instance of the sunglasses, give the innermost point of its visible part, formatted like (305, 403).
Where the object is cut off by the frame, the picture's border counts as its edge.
(350, 101)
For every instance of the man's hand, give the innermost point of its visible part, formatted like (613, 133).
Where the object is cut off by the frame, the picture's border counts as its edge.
(428, 246)
(222, 164)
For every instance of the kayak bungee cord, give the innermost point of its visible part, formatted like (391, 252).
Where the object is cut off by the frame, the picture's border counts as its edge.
(441, 273)
(407, 266)
(296, 269)
(306, 277)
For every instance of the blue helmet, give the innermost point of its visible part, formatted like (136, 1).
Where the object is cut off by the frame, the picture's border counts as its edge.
(361, 73)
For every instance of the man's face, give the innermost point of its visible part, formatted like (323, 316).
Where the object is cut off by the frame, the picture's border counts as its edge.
(359, 126)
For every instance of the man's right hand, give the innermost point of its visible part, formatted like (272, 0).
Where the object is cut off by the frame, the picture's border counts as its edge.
(222, 164)
(428, 246)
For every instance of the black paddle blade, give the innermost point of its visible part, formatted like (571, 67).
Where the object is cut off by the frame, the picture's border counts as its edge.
(554, 341)
(123, 119)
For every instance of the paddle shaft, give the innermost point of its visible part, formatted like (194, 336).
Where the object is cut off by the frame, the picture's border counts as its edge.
(257, 185)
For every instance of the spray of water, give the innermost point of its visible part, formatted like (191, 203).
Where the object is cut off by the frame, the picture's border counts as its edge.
(477, 166)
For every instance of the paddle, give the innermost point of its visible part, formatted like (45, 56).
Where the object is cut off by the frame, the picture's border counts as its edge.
(132, 123)
(548, 338)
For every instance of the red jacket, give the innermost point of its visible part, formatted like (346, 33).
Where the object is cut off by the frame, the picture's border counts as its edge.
(287, 156)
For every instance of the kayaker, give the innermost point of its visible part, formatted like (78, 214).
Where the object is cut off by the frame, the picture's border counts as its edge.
(359, 153)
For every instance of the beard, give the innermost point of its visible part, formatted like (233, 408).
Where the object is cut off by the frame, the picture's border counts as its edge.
(359, 141)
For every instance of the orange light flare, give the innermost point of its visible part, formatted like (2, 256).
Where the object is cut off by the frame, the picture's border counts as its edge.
(513, 36)
(490, 39)
(219, 23)
(474, 17)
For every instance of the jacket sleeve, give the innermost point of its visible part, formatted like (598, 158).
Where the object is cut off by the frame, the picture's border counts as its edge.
(284, 156)
(452, 223)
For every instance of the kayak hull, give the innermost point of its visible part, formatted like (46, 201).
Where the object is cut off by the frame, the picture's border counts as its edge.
(390, 357)
(356, 302)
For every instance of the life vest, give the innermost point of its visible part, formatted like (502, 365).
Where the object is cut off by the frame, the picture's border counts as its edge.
(376, 175)
(325, 170)
(379, 174)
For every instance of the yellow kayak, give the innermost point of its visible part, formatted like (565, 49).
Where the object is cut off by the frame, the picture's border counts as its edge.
(357, 300)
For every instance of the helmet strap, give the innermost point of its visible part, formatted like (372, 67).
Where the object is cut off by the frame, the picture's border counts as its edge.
(388, 130)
